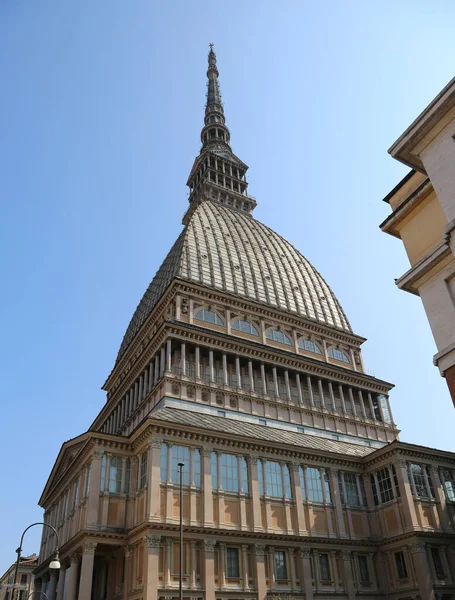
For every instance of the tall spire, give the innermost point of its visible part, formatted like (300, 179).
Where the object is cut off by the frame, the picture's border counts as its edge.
(218, 175)
(214, 134)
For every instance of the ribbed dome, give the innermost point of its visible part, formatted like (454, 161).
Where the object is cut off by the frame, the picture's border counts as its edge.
(222, 248)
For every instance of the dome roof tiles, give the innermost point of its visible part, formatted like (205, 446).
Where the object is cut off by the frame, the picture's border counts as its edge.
(227, 250)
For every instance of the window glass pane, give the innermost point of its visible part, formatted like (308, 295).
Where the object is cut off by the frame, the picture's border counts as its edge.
(416, 473)
(214, 463)
(163, 462)
(314, 483)
(352, 492)
(309, 346)
(385, 408)
(229, 473)
(244, 327)
(324, 567)
(437, 562)
(273, 479)
(338, 355)
(375, 491)
(302, 483)
(143, 471)
(232, 560)
(103, 471)
(278, 336)
(127, 476)
(385, 485)
(280, 565)
(244, 466)
(180, 454)
(209, 317)
(449, 484)
(401, 565)
(363, 568)
(287, 481)
(115, 475)
(328, 495)
(261, 477)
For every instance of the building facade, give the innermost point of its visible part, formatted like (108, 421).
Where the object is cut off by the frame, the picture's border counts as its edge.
(423, 217)
(24, 579)
(240, 362)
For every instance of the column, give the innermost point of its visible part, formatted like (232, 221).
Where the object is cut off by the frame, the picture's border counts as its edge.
(275, 382)
(343, 403)
(407, 504)
(351, 399)
(306, 578)
(271, 557)
(209, 569)
(150, 376)
(286, 382)
(211, 370)
(354, 366)
(74, 575)
(335, 489)
(299, 388)
(183, 358)
(301, 525)
(162, 360)
(421, 568)
(91, 517)
(291, 561)
(157, 370)
(362, 405)
(153, 480)
(370, 402)
(178, 305)
(250, 375)
(86, 579)
(135, 397)
(127, 572)
(197, 360)
(193, 559)
(61, 582)
(222, 566)
(246, 582)
(150, 569)
(321, 393)
(324, 349)
(225, 371)
(261, 585)
(168, 355)
(255, 497)
(440, 499)
(347, 574)
(228, 321)
(334, 561)
(141, 389)
(264, 380)
(167, 558)
(310, 389)
(52, 587)
(207, 506)
(390, 410)
(332, 397)
(237, 372)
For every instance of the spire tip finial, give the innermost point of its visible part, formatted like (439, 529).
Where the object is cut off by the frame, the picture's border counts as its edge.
(211, 45)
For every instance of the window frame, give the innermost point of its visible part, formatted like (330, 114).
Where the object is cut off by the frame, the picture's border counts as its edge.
(283, 565)
(302, 346)
(217, 319)
(326, 576)
(344, 357)
(238, 328)
(229, 550)
(272, 333)
(400, 564)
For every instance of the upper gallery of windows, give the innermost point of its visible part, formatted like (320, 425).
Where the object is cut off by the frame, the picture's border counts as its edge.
(209, 316)
(229, 473)
(352, 489)
(420, 479)
(275, 335)
(274, 479)
(309, 346)
(448, 483)
(339, 355)
(315, 485)
(115, 474)
(171, 456)
(244, 327)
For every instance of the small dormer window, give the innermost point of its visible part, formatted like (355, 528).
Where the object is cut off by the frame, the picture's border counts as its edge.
(244, 327)
(309, 346)
(278, 336)
(339, 355)
(209, 317)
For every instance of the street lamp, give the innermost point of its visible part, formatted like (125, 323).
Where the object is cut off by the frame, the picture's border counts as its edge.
(181, 465)
(55, 562)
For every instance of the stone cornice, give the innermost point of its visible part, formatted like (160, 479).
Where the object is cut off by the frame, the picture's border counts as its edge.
(397, 450)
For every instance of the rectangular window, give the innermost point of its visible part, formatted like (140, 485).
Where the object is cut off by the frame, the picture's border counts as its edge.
(232, 563)
(261, 477)
(76, 493)
(439, 569)
(143, 471)
(363, 569)
(448, 484)
(281, 572)
(352, 491)
(302, 483)
(417, 476)
(115, 475)
(401, 565)
(385, 485)
(324, 567)
(23, 578)
(375, 491)
(127, 476)
(229, 473)
(315, 491)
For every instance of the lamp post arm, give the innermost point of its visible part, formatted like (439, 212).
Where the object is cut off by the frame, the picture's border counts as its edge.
(19, 550)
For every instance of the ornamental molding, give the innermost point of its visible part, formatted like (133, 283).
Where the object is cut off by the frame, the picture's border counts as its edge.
(128, 551)
(417, 548)
(155, 442)
(89, 547)
(260, 549)
(152, 541)
(305, 553)
(346, 554)
(99, 453)
(209, 546)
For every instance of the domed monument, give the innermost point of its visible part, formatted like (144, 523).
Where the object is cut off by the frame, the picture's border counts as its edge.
(240, 364)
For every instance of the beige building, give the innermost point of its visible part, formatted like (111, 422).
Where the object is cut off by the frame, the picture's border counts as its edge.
(423, 217)
(23, 585)
(240, 362)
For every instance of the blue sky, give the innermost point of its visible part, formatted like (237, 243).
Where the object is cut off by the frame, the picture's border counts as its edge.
(100, 115)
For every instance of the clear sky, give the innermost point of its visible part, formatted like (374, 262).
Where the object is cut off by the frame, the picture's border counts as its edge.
(100, 115)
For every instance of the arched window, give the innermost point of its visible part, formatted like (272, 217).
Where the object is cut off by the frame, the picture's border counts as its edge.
(278, 336)
(209, 317)
(309, 346)
(339, 355)
(244, 327)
